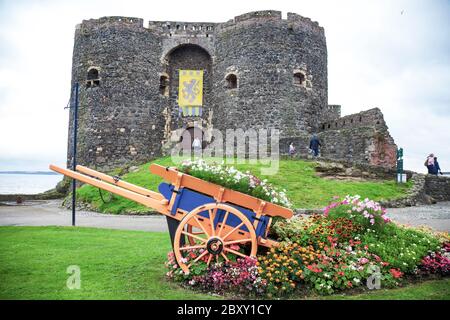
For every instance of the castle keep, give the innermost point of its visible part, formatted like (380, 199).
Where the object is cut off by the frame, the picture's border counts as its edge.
(259, 71)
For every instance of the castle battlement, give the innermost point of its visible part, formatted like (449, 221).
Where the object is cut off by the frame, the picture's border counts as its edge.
(368, 118)
(183, 28)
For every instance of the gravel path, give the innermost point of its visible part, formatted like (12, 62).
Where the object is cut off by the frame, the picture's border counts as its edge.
(49, 213)
(436, 216)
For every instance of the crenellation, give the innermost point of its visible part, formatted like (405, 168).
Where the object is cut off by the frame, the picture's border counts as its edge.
(368, 118)
(116, 20)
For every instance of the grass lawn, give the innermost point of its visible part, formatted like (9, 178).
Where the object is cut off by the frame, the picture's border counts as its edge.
(116, 264)
(298, 177)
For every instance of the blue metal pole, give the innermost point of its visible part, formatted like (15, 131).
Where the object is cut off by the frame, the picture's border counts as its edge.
(74, 161)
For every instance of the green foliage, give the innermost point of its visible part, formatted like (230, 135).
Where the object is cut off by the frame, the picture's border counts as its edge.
(401, 247)
(304, 188)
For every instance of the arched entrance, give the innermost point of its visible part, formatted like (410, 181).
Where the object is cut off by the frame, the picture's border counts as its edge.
(188, 57)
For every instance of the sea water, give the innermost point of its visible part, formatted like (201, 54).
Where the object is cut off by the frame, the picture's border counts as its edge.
(27, 183)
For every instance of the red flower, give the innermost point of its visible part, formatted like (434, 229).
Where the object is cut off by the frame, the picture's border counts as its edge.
(396, 273)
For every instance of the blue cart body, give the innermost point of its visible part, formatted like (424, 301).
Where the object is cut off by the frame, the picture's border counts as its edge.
(187, 200)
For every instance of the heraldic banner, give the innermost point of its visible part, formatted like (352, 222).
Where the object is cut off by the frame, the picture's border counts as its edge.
(190, 92)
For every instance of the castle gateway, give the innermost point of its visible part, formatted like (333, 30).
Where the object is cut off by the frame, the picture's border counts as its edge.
(254, 71)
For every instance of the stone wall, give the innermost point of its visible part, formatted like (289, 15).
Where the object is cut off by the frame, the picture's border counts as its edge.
(426, 189)
(438, 187)
(361, 138)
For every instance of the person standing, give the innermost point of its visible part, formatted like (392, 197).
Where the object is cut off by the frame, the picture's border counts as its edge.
(437, 168)
(291, 149)
(197, 146)
(429, 163)
(314, 145)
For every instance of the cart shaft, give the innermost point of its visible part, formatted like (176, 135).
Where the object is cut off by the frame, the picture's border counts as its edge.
(157, 203)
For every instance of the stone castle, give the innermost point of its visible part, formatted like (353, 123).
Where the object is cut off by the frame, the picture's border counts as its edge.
(260, 71)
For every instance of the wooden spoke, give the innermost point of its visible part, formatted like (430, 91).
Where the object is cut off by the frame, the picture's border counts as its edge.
(201, 256)
(209, 259)
(224, 256)
(211, 219)
(193, 247)
(235, 252)
(237, 241)
(235, 228)
(201, 226)
(193, 236)
(224, 221)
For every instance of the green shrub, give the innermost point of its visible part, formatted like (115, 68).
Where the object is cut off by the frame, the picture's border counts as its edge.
(401, 247)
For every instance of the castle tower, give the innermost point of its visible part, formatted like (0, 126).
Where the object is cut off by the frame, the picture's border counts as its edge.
(259, 71)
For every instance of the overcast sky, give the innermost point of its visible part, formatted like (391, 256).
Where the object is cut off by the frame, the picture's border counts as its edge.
(388, 54)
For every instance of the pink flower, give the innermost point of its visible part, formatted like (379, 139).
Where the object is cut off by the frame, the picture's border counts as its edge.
(363, 260)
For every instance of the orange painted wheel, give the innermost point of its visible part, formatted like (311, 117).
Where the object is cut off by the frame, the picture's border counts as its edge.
(206, 242)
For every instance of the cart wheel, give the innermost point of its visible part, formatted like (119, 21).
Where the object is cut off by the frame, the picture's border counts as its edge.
(206, 242)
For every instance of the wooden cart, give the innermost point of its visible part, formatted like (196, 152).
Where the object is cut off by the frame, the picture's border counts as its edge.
(206, 221)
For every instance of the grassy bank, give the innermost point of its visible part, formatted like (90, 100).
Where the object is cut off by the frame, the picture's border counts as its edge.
(117, 264)
(298, 177)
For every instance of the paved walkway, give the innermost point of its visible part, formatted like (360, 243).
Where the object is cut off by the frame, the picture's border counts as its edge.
(49, 213)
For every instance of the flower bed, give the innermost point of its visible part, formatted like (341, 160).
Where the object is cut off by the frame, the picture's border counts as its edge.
(352, 244)
(231, 178)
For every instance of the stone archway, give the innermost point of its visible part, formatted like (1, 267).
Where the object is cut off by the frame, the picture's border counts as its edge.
(188, 57)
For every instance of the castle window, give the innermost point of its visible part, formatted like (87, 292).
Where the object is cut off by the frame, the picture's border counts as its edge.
(231, 81)
(360, 118)
(299, 79)
(329, 126)
(93, 79)
(164, 85)
(323, 127)
(178, 26)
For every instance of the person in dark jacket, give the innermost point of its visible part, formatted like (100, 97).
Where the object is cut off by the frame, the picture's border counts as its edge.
(429, 163)
(314, 145)
(436, 169)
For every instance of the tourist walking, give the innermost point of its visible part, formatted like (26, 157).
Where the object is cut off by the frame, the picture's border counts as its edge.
(314, 145)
